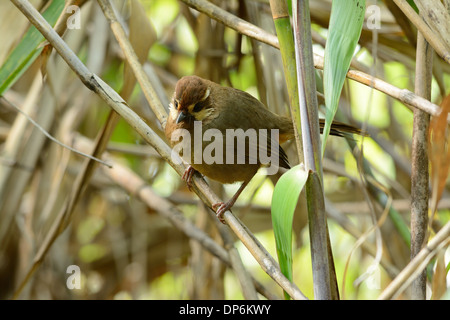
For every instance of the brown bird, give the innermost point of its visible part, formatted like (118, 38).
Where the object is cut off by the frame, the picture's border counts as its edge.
(224, 108)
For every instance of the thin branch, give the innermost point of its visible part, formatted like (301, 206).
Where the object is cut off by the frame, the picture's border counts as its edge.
(60, 223)
(247, 287)
(419, 162)
(48, 135)
(440, 241)
(403, 95)
(133, 60)
(337, 214)
(134, 185)
(424, 28)
(233, 22)
(248, 29)
(112, 99)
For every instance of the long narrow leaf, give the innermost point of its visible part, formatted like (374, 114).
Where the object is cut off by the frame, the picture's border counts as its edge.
(345, 27)
(27, 50)
(284, 201)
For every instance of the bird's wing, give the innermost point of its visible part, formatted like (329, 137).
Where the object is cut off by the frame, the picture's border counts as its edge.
(249, 121)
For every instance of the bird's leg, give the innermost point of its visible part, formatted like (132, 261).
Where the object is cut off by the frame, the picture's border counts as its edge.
(187, 176)
(222, 207)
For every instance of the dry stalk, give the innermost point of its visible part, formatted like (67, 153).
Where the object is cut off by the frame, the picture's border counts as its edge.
(419, 162)
(246, 28)
(440, 241)
(108, 95)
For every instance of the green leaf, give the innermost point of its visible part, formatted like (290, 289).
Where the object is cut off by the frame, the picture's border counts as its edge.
(27, 50)
(345, 27)
(284, 200)
(413, 5)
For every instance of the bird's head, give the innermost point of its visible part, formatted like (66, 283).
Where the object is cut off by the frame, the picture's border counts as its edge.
(191, 101)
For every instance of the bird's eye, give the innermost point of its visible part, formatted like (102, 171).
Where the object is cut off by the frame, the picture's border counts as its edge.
(175, 103)
(198, 106)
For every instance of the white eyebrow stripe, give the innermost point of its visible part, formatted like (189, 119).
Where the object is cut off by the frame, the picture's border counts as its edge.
(208, 91)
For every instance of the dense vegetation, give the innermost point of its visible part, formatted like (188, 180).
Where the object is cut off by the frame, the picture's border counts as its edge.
(136, 231)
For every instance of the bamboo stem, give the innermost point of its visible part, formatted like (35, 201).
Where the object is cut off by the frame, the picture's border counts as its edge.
(325, 284)
(248, 29)
(440, 241)
(419, 162)
(112, 99)
(282, 23)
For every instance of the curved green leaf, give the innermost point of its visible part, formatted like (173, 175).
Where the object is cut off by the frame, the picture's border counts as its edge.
(27, 50)
(345, 27)
(284, 201)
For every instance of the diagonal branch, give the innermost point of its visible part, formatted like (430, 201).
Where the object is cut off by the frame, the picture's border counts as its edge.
(440, 241)
(136, 186)
(250, 30)
(113, 99)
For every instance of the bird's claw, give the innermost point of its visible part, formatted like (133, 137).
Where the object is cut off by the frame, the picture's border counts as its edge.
(187, 176)
(220, 209)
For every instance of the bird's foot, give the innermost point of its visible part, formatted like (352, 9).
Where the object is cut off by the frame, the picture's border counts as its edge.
(220, 209)
(187, 176)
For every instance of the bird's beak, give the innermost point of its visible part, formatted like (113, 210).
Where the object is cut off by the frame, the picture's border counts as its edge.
(181, 117)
